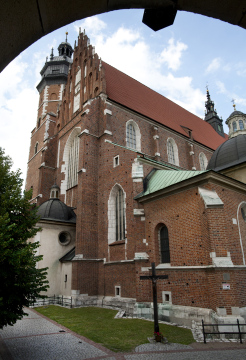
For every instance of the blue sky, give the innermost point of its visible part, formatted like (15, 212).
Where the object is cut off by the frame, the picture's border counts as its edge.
(177, 62)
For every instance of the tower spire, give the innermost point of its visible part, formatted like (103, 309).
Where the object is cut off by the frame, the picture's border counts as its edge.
(52, 54)
(211, 115)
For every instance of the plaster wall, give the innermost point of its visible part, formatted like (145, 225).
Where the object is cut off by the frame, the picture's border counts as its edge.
(52, 251)
(237, 174)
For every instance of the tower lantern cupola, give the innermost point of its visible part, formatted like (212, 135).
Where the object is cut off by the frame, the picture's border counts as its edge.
(65, 49)
(212, 117)
(236, 122)
(55, 71)
(54, 192)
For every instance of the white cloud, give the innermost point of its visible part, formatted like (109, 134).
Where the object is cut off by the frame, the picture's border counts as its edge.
(227, 68)
(215, 65)
(127, 51)
(231, 94)
(221, 87)
(93, 25)
(18, 112)
(241, 69)
(172, 54)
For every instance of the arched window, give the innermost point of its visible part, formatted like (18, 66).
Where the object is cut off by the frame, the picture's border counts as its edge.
(164, 245)
(234, 124)
(133, 136)
(53, 96)
(203, 161)
(116, 215)
(172, 152)
(70, 162)
(241, 127)
(120, 216)
(73, 157)
(36, 148)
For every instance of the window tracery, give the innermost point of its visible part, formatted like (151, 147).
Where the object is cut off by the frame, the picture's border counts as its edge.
(172, 152)
(133, 135)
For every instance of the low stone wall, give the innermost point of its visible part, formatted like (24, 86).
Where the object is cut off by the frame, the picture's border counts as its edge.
(181, 315)
(118, 303)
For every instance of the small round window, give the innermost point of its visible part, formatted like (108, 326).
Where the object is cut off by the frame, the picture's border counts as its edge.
(64, 238)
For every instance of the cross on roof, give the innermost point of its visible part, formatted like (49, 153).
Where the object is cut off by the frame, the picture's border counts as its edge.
(234, 105)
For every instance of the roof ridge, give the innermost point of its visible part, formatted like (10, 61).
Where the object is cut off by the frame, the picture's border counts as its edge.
(165, 97)
(133, 95)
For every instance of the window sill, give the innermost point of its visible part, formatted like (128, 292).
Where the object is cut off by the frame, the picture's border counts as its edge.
(163, 266)
(72, 187)
(119, 242)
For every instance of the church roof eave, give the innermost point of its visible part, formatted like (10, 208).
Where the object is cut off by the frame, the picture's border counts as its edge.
(199, 179)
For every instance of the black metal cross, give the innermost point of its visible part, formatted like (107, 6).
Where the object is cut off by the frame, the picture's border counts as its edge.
(154, 279)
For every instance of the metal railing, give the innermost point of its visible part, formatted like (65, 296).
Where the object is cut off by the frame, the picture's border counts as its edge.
(239, 332)
(54, 300)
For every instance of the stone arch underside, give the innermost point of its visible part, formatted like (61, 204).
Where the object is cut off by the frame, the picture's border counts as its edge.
(31, 20)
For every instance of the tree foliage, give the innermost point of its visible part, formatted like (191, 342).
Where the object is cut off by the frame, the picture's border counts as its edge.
(20, 281)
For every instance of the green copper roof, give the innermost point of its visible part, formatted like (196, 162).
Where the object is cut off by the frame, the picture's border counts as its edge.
(161, 179)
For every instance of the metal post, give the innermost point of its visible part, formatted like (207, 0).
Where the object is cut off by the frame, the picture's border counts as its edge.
(203, 330)
(156, 325)
(240, 335)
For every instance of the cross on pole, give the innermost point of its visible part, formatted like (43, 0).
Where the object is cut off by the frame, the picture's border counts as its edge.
(154, 279)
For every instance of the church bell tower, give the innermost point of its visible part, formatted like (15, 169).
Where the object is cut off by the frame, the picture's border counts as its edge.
(43, 148)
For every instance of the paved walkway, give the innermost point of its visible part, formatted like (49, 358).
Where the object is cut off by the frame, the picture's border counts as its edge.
(38, 338)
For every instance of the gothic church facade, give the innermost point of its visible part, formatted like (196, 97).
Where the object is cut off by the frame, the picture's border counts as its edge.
(119, 174)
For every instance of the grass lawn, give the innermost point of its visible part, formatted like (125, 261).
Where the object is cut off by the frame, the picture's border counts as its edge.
(100, 326)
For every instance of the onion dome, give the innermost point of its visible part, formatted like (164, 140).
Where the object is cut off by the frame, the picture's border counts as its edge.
(230, 153)
(56, 210)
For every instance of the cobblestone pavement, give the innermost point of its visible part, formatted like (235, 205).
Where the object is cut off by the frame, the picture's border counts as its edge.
(38, 338)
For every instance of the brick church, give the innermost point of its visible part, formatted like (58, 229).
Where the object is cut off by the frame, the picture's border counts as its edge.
(124, 177)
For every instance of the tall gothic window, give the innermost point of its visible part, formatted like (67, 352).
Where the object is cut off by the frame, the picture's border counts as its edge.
(116, 215)
(203, 161)
(241, 127)
(172, 152)
(120, 216)
(164, 245)
(73, 158)
(36, 148)
(131, 136)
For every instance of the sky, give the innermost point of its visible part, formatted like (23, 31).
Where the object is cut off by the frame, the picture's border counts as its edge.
(178, 62)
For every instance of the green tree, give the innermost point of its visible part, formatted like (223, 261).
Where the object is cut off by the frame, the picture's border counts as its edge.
(20, 281)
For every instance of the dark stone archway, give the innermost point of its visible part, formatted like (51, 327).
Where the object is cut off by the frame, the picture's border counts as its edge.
(25, 21)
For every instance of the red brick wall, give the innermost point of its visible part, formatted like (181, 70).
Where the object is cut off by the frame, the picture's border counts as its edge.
(194, 231)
